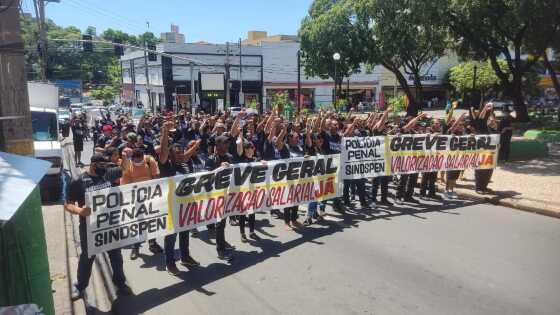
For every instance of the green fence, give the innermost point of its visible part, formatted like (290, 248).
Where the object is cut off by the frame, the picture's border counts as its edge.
(24, 265)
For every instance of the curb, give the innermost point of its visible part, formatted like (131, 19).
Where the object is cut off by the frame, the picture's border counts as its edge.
(533, 206)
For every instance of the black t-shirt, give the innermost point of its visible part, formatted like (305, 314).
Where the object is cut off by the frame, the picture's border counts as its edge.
(505, 123)
(191, 134)
(102, 141)
(78, 187)
(331, 145)
(272, 153)
(296, 151)
(84, 183)
(196, 164)
(167, 169)
(77, 132)
(216, 160)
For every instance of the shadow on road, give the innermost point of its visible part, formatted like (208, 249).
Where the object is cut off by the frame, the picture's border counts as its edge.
(197, 278)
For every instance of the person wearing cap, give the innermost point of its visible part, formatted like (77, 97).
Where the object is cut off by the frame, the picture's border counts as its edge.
(139, 167)
(221, 158)
(105, 138)
(91, 180)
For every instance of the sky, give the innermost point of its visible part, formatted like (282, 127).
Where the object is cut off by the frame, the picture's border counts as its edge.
(215, 21)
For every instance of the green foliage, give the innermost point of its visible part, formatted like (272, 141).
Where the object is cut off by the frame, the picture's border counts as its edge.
(105, 93)
(461, 76)
(504, 29)
(67, 61)
(279, 101)
(325, 31)
(402, 35)
(396, 103)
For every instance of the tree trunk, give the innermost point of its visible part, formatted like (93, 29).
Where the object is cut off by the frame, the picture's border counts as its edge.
(418, 86)
(553, 76)
(516, 93)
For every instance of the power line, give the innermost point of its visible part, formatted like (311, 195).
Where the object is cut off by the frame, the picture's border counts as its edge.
(134, 22)
(126, 26)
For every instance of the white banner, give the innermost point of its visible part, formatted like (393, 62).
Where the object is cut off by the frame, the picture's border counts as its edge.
(136, 212)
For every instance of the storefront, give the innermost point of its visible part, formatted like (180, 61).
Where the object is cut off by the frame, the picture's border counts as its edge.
(307, 97)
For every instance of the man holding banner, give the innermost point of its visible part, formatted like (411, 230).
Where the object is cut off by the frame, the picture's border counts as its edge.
(92, 180)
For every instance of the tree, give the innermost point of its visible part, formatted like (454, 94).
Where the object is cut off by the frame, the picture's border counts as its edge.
(545, 34)
(461, 77)
(149, 38)
(327, 30)
(404, 36)
(105, 93)
(496, 29)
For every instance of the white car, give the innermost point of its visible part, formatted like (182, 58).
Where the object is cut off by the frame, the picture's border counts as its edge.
(236, 110)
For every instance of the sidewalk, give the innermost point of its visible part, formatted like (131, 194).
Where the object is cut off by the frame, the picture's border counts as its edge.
(532, 186)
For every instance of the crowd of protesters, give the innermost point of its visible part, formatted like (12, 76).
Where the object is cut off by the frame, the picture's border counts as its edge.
(168, 144)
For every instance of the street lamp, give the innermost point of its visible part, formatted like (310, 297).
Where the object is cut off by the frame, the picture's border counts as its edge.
(336, 58)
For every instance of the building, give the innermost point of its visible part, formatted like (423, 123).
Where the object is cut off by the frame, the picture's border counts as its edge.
(259, 37)
(173, 79)
(174, 36)
(269, 66)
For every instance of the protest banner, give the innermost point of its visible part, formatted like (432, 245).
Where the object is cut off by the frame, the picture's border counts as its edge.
(429, 153)
(363, 157)
(206, 198)
(127, 214)
(405, 154)
(137, 212)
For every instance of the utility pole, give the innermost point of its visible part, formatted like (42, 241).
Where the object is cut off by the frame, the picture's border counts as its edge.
(298, 81)
(15, 117)
(40, 14)
(241, 94)
(147, 73)
(226, 102)
(133, 76)
(193, 94)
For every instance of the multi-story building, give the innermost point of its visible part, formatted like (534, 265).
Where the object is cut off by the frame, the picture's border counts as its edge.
(268, 65)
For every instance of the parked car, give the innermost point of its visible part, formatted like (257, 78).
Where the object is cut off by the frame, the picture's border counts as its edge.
(237, 109)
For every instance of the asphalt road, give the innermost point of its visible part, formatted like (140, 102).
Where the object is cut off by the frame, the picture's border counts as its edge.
(456, 258)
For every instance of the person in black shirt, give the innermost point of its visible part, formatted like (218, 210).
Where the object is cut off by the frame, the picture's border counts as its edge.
(78, 139)
(313, 147)
(331, 145)
(295, 151)
(506, 133)
(246, 154)
(167, 158)
(485, 123)
(92, 180)
(405, 190)
(221, 159)
(380, 129)
(428, 182)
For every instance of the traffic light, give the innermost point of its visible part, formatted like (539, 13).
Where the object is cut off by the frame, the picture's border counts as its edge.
(88, 45)
(152, 56)
(119, 50)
